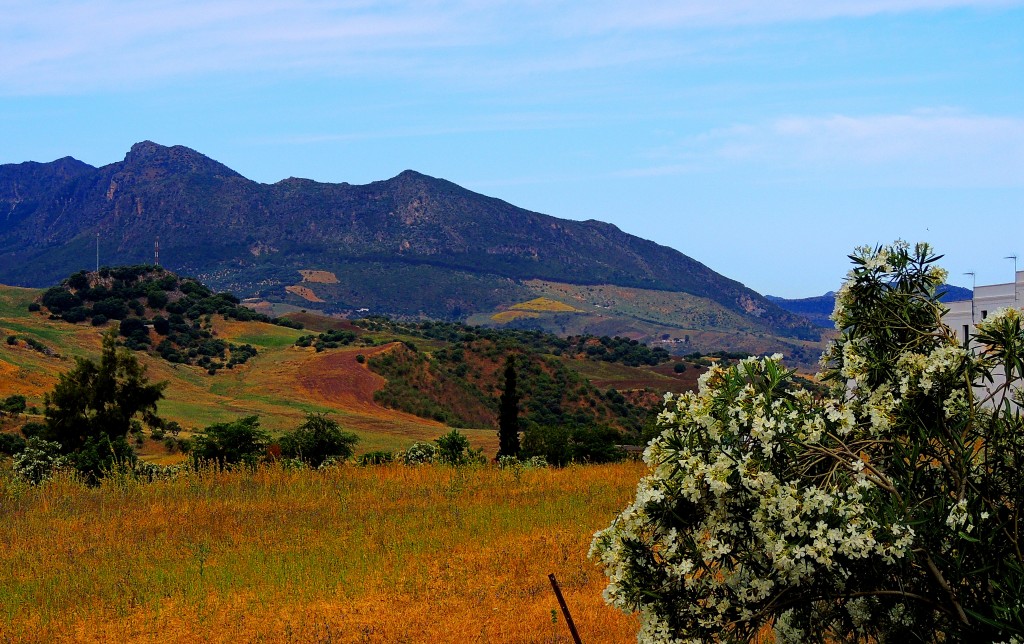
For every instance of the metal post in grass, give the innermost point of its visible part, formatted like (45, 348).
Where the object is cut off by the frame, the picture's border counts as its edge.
(565, 609)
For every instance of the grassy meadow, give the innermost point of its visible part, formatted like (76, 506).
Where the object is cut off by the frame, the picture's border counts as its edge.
(348, 554)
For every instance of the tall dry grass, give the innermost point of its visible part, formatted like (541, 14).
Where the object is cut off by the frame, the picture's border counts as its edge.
(383, 554)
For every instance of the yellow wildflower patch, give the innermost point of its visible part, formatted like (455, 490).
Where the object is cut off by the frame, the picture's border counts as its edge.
(545, 305)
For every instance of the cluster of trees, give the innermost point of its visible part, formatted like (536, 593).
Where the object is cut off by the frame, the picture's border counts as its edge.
(331, 339)
(607, 349)
(192, 343)
(722, 358)
(317, 441)
(557, 443)
(182, 310)
(631, 353)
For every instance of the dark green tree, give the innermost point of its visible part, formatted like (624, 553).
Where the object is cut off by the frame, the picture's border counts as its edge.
(318, 439)
(572, 443)
(508, 413)
(14, 404)
(238, 442)
(90, 411)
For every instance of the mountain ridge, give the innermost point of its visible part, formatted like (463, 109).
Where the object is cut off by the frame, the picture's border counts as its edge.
(818, 309)
(252, 237)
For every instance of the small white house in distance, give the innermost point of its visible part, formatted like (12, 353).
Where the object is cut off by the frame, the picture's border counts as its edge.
(963, 315)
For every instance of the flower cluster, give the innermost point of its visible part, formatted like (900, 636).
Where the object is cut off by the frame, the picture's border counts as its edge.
(743, 525)
(872, 513)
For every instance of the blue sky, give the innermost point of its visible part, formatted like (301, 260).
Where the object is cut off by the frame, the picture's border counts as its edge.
(765, 139)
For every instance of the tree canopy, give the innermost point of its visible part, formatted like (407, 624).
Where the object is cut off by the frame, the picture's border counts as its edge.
(317, 440)
(237, 442)
(94, 405)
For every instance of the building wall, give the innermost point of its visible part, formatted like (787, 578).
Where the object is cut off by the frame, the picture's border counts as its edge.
(962, 316)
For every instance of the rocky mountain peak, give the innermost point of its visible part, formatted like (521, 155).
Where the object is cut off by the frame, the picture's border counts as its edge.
(178, 159)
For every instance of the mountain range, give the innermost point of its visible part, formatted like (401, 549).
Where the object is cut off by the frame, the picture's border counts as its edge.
(819, 309)
(412, 245)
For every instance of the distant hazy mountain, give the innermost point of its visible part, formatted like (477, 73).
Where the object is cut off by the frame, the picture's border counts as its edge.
(409, 245)
(818, 309)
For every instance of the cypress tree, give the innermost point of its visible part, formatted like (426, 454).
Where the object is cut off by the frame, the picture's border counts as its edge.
(508, 414)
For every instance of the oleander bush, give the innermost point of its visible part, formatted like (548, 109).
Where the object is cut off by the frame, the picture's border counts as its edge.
(885, 510)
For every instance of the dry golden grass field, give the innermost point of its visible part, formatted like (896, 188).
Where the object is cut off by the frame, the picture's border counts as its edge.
(349, 554)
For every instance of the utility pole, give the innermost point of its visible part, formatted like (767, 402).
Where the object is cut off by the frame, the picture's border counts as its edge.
(1014, 280)
(974, 283)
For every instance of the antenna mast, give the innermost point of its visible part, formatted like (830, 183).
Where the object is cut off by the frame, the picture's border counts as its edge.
(97, 252)
(156, 251)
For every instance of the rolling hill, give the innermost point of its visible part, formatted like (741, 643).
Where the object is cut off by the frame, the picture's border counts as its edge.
(391, 383)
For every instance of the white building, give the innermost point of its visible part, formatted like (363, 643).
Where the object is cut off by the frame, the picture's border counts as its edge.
(965, 314)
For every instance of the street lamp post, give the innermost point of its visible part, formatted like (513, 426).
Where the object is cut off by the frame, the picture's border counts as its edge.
(1014, 280)
(973, 285)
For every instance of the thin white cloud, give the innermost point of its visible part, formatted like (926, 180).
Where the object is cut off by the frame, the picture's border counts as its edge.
(70, 46)
(612, 15)
(61, 46)
(922, 148)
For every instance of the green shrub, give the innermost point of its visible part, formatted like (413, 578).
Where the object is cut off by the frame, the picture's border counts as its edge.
(238, 442)
(76, 314)
(59, 300)
(11, 444)
(453, 449)
(564, 444)
(112, 307)
(14, 404)
(156, 299)
(316, 440)
(28, 430)
(161, 325)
